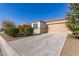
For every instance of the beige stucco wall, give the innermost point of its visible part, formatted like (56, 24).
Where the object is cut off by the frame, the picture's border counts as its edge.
(53, 26)
(58, 26)
(42, 27)
(36, 30)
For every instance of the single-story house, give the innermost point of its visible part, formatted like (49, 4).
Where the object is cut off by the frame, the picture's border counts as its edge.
(57, 25)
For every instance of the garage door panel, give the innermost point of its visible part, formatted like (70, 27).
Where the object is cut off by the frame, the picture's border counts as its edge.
(57, 28)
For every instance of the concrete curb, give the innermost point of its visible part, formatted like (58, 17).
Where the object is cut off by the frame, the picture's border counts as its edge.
(6, 49)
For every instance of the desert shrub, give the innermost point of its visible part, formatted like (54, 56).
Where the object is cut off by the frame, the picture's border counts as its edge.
(28, 31)
(76, 34)
(12, 31)
(22, 27)
(75, 30)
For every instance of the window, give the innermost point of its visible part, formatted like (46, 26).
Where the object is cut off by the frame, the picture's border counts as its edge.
(35, 25)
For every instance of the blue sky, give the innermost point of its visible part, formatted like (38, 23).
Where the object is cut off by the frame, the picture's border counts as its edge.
(29, 12)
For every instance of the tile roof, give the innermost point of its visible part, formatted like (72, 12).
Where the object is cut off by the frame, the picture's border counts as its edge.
(54, 20)
(51, 20)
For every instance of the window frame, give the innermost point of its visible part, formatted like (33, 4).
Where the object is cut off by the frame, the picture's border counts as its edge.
(35, 25)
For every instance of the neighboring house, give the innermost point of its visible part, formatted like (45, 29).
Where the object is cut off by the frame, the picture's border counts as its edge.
(57, 25)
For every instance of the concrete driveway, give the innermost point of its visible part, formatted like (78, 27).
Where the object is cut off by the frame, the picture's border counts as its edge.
(49, 44)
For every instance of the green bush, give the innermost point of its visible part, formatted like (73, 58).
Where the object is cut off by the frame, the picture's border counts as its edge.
(28, 31)
(75, 30)
(12, 31)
